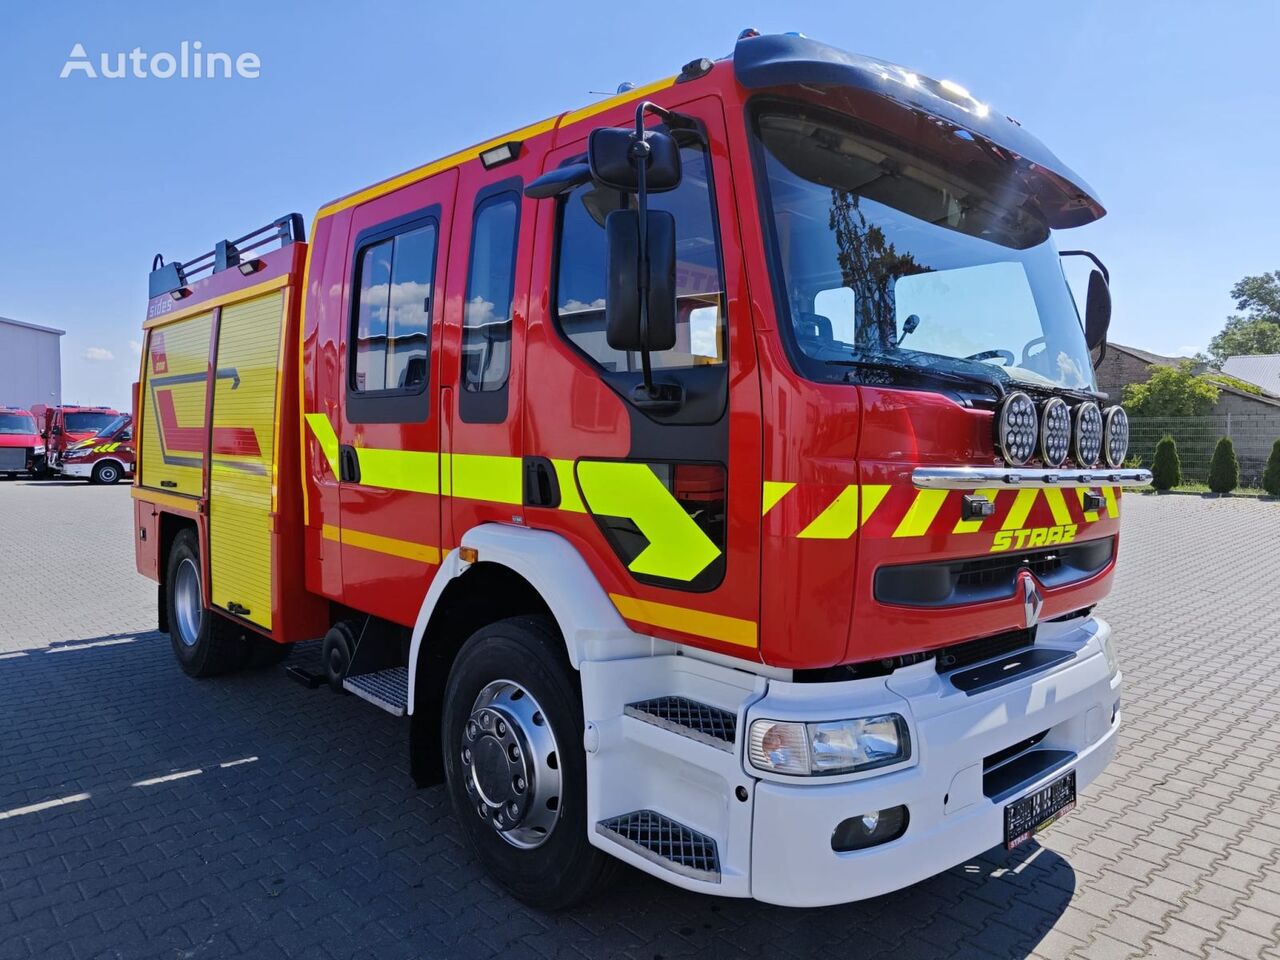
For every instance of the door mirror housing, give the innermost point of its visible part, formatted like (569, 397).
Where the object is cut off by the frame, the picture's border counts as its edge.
(1097, 311)
(615, 161)
(627, 326)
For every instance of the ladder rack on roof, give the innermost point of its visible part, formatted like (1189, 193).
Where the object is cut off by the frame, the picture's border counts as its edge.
(174, 277)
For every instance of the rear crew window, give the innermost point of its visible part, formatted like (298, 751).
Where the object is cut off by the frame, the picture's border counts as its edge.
(580, 283)
(486, 324)
(392, 343)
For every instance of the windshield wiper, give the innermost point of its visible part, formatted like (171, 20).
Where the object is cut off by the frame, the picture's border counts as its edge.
(947, 376)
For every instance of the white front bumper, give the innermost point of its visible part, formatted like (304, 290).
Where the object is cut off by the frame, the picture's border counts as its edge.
(951, 818)
(76, 468)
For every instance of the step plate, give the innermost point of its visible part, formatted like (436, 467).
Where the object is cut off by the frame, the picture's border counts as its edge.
(386, 689)
(689, 718)
(665, 842)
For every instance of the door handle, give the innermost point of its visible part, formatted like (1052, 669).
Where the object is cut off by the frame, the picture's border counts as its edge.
(541, 485)
(348, 464)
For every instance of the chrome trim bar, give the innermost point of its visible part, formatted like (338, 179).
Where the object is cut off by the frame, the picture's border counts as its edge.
(1017, 478)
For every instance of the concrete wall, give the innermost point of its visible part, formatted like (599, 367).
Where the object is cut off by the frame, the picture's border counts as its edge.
(30, 365)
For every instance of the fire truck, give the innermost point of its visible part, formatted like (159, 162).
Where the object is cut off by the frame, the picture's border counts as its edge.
(66, 425)
(714, 476)
(21, 446)
(105, 457)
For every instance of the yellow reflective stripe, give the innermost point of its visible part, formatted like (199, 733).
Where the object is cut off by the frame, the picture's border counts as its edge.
(1058, 506)
(973, 526)
(634, 93)
(1090, 516)
(414, 471)
(842, 516)
(328, 440)
(1022, 505)
(774, 490)
(569, 499)
(678, 549)
(478, 476)
(699, 623)
(920, 514)
(406, 549)
(1113, 505)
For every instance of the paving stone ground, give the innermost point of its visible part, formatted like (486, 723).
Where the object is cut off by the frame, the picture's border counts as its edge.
(301, 835)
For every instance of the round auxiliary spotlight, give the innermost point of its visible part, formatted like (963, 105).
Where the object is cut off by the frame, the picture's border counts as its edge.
(1115, 435)
(1016, 428)
(1055, 431)
(1086, 436)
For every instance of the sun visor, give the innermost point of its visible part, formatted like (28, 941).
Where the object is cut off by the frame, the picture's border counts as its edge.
(781, 60)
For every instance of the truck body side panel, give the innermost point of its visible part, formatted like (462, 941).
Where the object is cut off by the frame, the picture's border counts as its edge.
(172, 406)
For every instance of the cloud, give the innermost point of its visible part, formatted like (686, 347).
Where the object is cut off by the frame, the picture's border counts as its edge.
(99, 353)
(135, 346)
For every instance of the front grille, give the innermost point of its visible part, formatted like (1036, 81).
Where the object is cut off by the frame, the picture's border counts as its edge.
(1008, 753)
(14, 458)
(984, 648)
(990, 571)
(666, 841)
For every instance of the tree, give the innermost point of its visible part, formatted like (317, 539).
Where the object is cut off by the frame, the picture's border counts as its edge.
(1271, 476)
(1259, 297)
(1166, 468)
(1224, 469)
(1170, 392)
(1245, 335)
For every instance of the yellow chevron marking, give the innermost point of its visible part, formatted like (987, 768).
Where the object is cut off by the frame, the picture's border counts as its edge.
(1090, 516)
(973, 526)
(921, 513)
(1022, 505)
(378, 544)
(715, 626)
(838, 521)
(1113, 504)
(678, 549)
(774, 490)
(1058, 506)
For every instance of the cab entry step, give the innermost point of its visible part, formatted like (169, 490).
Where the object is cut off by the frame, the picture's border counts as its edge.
(689, 718)
(387, 689)
(666, 842)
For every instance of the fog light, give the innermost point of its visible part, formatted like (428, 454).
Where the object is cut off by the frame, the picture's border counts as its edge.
(869, 829)
(1115, 435)
(1017, 428)
(1086, 438)
(1055, 431)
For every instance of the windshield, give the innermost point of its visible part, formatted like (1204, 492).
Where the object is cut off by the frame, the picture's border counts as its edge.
(12, 424)
(114, 426)
(890, 260)
(88, 422)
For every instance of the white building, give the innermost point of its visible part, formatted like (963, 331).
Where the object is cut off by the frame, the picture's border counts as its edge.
(30, 364)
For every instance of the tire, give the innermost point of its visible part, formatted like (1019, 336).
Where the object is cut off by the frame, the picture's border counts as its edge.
(108, 472)
(204, 643)
(517, 669)
(335, 653)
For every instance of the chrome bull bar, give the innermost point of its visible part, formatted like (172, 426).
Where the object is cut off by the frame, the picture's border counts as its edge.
(1017, 478)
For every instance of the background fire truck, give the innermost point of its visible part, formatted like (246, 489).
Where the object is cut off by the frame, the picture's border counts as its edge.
(714, 475)
(21, 446)
(68, 424)
(105, 457)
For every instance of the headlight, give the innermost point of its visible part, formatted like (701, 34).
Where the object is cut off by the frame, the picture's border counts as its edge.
(76, 454)
(1115, 436)
(1055, 431)
(1016, 428)
(1086, 438)
(831, 747)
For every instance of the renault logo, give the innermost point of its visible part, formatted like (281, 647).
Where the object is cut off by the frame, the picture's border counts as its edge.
(1032, 600)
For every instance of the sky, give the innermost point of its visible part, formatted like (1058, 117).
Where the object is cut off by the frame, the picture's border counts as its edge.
(1167, 109)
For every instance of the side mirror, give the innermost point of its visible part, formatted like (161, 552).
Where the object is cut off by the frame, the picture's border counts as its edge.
(57, 431)
(615, 162)
(627, 326)
(1097, 311)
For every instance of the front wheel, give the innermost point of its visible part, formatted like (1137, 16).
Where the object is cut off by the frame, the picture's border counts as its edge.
(202, 641)
(106, 472)
(517, 773)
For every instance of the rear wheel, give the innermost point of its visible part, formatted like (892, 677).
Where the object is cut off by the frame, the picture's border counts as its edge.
(203, 642)
(512, 742)
(107, 472)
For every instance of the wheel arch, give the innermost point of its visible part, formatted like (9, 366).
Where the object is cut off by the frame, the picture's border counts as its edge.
(116, 460)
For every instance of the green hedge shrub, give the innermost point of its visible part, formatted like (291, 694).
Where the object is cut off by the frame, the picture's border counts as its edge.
(1166, 467)
(1271, 476)
(1224, 469)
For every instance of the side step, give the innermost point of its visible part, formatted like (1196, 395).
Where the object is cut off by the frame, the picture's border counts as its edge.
(386, 689)
(665, 842)
(689, 718)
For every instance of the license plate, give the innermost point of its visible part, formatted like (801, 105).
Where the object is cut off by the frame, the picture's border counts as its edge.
(1029, 815)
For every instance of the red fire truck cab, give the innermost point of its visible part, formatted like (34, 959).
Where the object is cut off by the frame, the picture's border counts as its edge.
(66, 425)
(105, 457)
(21, 446)
(715, 475)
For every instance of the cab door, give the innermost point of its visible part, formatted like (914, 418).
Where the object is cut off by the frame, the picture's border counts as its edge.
(389, 435)
(664, 502)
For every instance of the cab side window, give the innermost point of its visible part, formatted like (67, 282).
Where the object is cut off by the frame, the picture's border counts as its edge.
(392, 343)
(700, 300)
(487, 313)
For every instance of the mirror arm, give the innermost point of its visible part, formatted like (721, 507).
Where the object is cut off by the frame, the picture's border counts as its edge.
(1106, 274)
(640, 152)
